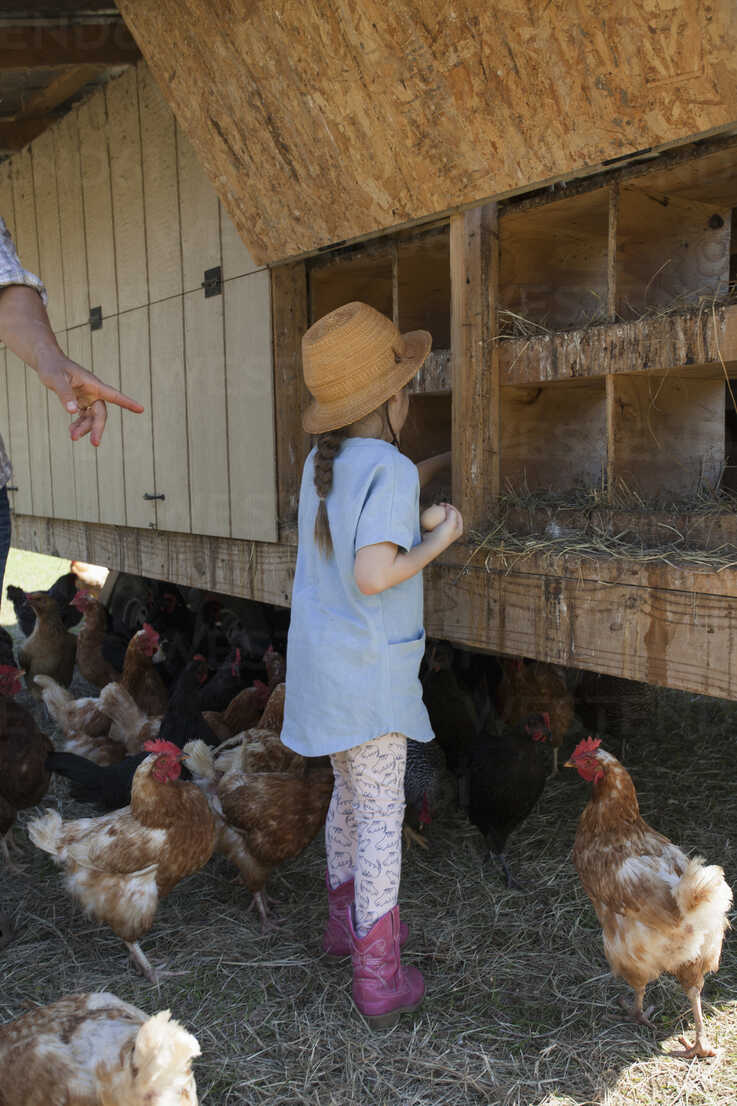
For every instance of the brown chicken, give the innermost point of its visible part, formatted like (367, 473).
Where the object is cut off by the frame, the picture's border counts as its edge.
(659, 910)
(130, 725)
(264, 818)
(96, 1050)
(536, 688)
(86, 716)
(50, 649)
(91, 662)
(248, 706)
(120, 865)
(24, 778)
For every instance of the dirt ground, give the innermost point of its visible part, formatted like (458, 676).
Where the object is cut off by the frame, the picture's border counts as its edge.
(520, 1008)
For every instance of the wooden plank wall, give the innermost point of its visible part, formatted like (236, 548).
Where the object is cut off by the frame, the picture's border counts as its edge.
(112, 209)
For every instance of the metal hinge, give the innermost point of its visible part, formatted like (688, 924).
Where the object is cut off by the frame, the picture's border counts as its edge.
(148, 495)
(213, 282)
(95, 318)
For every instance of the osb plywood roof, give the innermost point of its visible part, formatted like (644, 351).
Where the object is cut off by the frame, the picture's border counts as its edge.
(323, 122)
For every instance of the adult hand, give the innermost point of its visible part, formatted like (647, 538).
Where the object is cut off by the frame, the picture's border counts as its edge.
(82, 393)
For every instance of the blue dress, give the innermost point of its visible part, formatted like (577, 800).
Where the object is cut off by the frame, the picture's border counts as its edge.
(353, 660)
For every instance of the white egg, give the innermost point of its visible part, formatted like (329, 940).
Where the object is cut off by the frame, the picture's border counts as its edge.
(432, 517)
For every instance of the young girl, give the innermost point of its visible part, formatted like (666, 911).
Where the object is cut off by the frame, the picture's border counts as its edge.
(356, 637)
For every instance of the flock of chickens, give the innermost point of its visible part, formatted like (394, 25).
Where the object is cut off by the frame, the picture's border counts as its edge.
(179, 762)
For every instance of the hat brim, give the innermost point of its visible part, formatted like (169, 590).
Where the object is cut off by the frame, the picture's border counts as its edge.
(319, 418)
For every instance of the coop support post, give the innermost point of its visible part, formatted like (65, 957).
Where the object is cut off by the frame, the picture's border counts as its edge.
(290, 320)
(474, 268)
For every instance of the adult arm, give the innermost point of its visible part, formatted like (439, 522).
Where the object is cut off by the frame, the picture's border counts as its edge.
(26, 330)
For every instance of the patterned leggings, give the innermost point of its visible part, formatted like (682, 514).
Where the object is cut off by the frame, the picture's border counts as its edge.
(363, 831)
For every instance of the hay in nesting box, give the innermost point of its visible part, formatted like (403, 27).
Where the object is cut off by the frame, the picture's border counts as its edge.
(561, 536)
(511, 325)
(520, 1007)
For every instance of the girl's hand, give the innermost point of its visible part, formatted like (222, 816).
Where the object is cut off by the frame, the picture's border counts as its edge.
(448, 531)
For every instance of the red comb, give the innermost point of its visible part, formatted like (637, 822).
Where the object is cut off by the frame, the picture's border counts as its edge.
(162, 748)
(546, 718)
(199, 657)
(149, 630)
(586, 747)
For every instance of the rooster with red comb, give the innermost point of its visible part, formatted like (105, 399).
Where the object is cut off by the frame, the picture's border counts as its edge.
(659, 910)
(120, 865)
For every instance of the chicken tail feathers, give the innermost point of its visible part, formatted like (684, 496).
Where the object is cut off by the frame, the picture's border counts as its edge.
(163, 1054)
(44, 832)
(199, 759)
(54, 696)
(703, 889)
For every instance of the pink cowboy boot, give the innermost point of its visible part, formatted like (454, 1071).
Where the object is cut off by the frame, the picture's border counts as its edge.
(336, 940)
(382, 988)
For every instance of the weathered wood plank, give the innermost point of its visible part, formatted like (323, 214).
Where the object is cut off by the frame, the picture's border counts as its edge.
(18, 441)
(204, 356)
(110, 463)
(667, 435)
(250, 407)
(41, 225)
(554, 438)
(169, 415)
(554, 261)
(289, 311)
(71, 219)
(479, 100)
(25, 230)
(678, 638)
(200, 216)
(237, 260)
(474, 281)
(160, 190)
(61, 455)
(688, 342)
(84, 453)
(6, 195)
(98, 204)
(40, 402)
(127, 190)
(138, 453)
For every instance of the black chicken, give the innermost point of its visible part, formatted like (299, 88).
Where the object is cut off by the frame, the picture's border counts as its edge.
(453, 715)
(106, 786)
(183, 720)
(506, 777)
(228, 680)
(424, 788)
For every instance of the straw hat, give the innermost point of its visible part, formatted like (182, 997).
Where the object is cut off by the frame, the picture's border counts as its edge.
(354, 359)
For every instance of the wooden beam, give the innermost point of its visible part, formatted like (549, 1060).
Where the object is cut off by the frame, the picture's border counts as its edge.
(676, 638)
(65, 84)
(701, 342)
(612, 251)
(31, 45)
(14, 136)
(474, 277)
(290, 320)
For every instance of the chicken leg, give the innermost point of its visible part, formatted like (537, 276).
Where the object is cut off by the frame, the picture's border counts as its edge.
(143, 965)
(701, 1046)
(642, 1017)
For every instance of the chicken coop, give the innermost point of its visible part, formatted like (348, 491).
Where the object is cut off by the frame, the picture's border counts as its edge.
(553, 197)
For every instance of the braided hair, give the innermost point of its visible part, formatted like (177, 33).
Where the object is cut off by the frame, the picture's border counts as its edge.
(328, 446)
